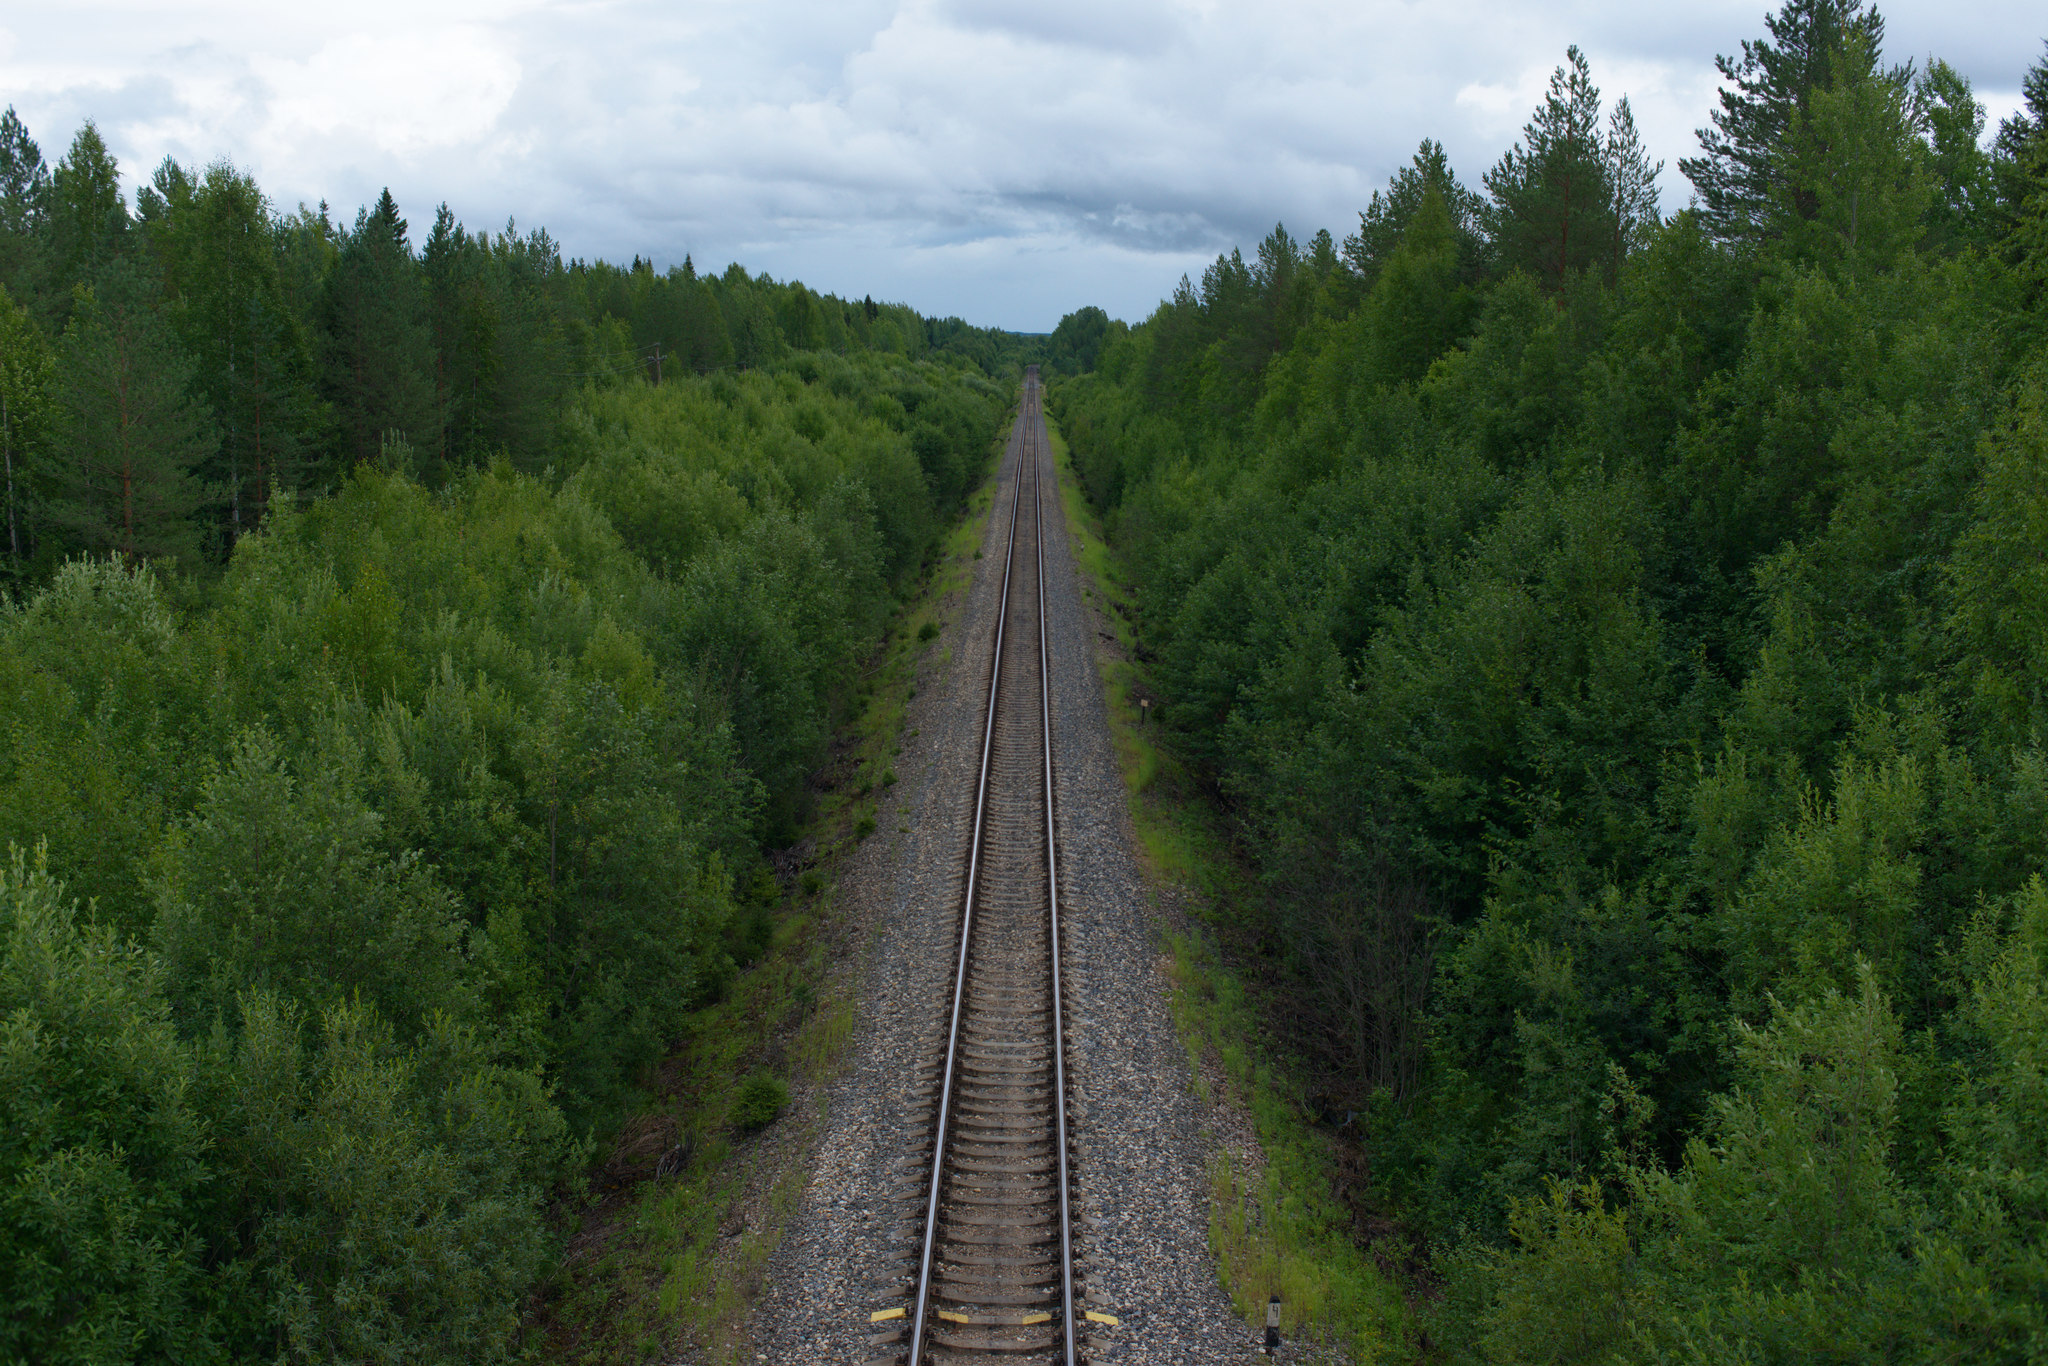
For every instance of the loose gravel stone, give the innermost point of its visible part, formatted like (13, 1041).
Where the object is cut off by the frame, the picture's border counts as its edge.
(1142, 1174)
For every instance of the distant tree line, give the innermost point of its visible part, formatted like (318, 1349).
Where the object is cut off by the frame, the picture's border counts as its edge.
(1617, 638)
(165, 366)
(398, 691)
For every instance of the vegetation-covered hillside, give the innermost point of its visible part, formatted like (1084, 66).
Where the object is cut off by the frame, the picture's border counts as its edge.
(1618, 641)
(396, 694)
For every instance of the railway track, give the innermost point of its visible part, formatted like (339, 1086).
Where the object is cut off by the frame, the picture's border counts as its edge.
(992, 1274)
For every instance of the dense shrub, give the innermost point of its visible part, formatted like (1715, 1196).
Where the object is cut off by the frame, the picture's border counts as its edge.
(758, 1100)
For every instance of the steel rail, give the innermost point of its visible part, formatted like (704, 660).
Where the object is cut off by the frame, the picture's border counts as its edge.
(967, 924)
(1052, 874)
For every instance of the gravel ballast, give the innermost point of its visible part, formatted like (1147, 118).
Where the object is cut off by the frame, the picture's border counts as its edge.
(1144, 1151)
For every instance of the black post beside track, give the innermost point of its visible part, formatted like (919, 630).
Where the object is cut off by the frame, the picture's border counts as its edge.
(993, 1248)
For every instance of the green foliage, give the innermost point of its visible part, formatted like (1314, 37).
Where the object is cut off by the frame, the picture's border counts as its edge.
(393, 1189)
(1999, 586)
(84, 217)
(2020, 171)
(27, 379)
(1076, 344)
(1418, 307)
(758, 1100)
(514, 602)
(377, 349)
(1965, 193)
(1285, 1230)
(1554, 192)
(274, 351)
(1566, 1293)
(224, 296)
(432, 806)
(1982, 1268)
(103, 1150)
(1858, 185)
(1624, 670)
(24, 201)
(1386, 219)
(132, 438)
(1783, 1234)
(1741, 169)
(278, 885)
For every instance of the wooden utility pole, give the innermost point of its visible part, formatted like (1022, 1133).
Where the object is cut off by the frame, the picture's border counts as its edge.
(657, 364)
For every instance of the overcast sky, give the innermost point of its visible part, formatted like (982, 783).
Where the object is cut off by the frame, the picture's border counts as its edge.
(1007, 162)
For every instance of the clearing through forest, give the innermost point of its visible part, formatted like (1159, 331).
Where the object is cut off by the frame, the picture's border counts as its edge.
(989, 1276)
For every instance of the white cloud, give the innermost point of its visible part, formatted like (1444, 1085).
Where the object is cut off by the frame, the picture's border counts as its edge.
(1498, 107)
(405, 92)
(1003, 162)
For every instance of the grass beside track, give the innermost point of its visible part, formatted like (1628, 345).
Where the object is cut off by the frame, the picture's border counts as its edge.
(1276, 1230)
(664, 1262)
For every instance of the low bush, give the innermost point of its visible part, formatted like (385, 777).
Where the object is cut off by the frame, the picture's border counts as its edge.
(759, 1100)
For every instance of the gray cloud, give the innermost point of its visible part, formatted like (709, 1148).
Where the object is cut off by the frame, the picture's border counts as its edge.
(1144, 28)
(1004, 162)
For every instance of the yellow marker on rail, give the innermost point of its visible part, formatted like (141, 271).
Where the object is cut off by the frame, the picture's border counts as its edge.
(1109, 1319)
(882, 1314)
(1030, 1319)
(951, 1317)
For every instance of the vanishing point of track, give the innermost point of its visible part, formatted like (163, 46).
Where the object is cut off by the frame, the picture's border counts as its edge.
(993, 1277)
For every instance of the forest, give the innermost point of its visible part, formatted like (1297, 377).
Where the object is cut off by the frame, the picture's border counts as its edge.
(1617, 643)
(408, 652)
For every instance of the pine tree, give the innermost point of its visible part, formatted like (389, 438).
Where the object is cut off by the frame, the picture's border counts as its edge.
(499, 349)
(461, 331)
(87, 217)
(24, 200)
(2019, 173)
(707, 342)
(168, 193)
(1856, 185)
(1322, 254)
(1634, 179)
(1417, 309)
(1553, 193)
(1283, 289)
(276, 417)
(1739, 171)
(133, 435)
(24, 180)
(1386, 218)
(307, 249)
(803, 325)
(530, 350)
(750, 326)
(1238, 331)
(2022, 143)
(377, 349)
(26, 377)
(226, 301)
(1964, 190)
